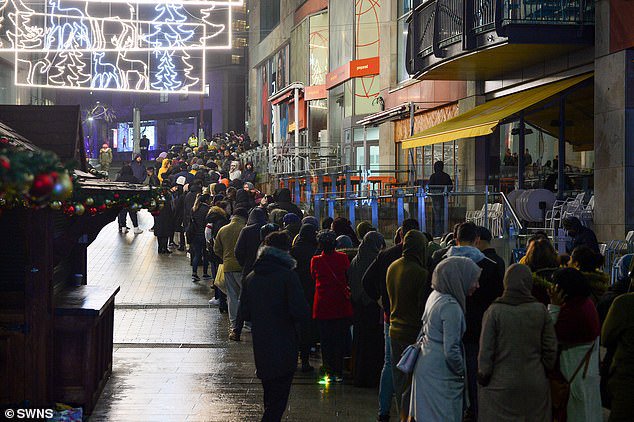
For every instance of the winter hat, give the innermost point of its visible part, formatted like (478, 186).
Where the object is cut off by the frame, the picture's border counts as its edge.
(290, 218)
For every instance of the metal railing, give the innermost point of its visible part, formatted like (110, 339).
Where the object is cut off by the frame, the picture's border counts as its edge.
(425, 20)
(547, 12)
(448, 22)
(483, 16)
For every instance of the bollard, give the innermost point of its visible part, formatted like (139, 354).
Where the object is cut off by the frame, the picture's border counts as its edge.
(309, 191)
(374, 203)
(296, 191)
(351, 209)
(400, 211)
(318, 197)
(422, 220)
(331, 207)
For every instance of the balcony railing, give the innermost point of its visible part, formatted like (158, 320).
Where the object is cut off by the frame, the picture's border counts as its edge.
(436, 25)
(483, 16)
(547, 12)
(448, 22)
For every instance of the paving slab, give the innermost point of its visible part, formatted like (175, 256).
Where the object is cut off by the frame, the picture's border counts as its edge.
(172, 357)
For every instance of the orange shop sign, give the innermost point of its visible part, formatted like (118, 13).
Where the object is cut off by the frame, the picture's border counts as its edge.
(353, 69)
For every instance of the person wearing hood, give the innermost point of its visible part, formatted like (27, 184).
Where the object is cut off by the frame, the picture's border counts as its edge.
(188, 203)
(178, 201)
(105, 158)
(273, 301)
(277, 216)
(244, 199)
(518, 347)
(283, 202)
(342, 227)
(407, 284)
(581, 236)
(234, 171)
(224, 248)
(138, 169)
(165, 164)
(367, 337)
(249, 175)
(364, 228)
(163, 224)
(332, 307)
(345, 245)
(126, 175)
(291, 223)
(374, 286)
(309, 219)
(438, 380)
(303, 250)
(491, 287)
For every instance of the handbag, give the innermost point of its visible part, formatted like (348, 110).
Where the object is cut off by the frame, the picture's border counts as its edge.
(409, 357)
(219, 281)
(560, 386)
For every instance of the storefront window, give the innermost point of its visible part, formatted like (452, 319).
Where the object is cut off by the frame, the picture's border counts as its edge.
(404, 9)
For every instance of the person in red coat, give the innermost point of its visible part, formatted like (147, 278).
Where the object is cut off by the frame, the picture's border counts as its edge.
(332, 307)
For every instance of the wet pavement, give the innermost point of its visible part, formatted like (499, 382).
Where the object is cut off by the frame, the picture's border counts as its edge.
(172, 357)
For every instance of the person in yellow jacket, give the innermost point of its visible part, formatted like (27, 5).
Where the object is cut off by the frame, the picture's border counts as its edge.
(164, 166)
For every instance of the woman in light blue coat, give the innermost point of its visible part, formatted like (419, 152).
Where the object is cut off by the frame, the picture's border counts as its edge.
(438, 384)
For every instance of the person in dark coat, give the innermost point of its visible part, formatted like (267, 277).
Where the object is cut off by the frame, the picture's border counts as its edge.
(249, 240)
(375, 287)
(197, 230)
(303, 250)
(138, 169)
(283, 202)
(367, 337)
(439, 182)
(188, 203)
(126, 175)
(249, 175)
(163, 225)
(273, 301)
(244, 199)
(581, 236)
(342, 227)
(292, 223)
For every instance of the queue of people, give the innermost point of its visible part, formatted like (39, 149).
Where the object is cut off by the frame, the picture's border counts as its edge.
(490, 341)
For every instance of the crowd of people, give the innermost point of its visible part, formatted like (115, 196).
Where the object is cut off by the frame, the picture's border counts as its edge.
(491, 343)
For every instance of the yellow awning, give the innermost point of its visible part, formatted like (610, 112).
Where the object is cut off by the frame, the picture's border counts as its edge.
(484, 118)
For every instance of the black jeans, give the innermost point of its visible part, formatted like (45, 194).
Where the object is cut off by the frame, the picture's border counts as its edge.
(162, 243)
(438, 206)
(123, 216)
(276, 393)
(198, 254)
(334, 334)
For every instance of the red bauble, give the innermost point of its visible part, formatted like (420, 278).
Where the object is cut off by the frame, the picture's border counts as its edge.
(5, 163)
(92, 210)
(42, 185)
(70, 210)
(101, 208)
(4, 140)
(116, 196)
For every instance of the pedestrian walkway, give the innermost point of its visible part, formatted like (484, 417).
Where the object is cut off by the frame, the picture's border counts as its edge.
(172, 357)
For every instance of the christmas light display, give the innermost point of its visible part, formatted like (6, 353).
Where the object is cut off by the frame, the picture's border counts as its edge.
(139, 46)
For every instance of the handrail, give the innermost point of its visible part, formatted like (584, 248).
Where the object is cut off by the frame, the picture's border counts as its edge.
(516, 220)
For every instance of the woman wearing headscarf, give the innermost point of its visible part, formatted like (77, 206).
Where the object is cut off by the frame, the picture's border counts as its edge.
(517, 347)
(577, 327)
(345, 245)
(438, 384)
(303, 250)
(332, 307)
(367, 335)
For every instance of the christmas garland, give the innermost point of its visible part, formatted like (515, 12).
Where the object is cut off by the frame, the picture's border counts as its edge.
(38, 179)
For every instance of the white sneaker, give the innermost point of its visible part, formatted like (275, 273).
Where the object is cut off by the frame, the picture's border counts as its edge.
(246, 328)
(137, 230)
(214, 302)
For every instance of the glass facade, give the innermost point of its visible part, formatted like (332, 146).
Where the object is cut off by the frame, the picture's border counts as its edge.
(404, 9)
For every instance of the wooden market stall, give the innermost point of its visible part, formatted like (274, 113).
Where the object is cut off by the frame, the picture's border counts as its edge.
(56, 330)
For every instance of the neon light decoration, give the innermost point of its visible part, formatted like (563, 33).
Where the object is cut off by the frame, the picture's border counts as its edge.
(137, 45)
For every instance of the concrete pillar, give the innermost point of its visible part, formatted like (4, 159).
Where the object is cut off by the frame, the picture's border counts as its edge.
(613, 134)
(136, 128)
